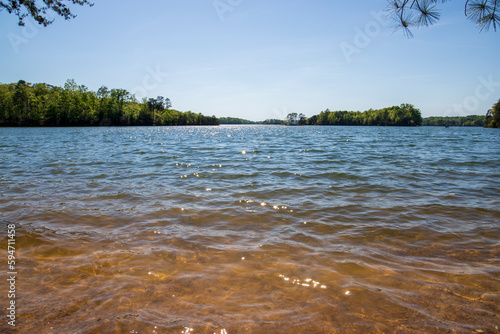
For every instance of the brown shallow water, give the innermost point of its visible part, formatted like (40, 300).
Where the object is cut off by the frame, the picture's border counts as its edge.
(253, 230)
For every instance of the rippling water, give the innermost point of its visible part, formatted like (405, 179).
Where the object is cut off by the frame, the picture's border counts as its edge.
(253, 229)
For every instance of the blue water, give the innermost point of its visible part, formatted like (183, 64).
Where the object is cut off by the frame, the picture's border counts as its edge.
(254, 229)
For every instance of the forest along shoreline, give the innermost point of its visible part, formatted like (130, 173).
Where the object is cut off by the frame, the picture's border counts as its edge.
(24, 104)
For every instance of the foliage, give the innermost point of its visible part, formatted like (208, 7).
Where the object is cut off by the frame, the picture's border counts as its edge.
(25, 8)
(273, 121)
(296, 119)
(473, 120)
(418, 13)
(235, 120)
(493, 116)
(404, 115)
(25, 104)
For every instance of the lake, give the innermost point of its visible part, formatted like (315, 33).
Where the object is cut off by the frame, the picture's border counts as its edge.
(252, 229)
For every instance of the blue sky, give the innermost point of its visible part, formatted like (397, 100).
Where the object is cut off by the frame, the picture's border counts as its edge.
(261, 59)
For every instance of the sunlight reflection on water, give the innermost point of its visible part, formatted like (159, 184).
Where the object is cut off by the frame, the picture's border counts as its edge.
(254, 229)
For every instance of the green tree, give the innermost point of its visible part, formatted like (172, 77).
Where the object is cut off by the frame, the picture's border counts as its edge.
(472, 120)
(322, 118)
(21, 103)
(403, 115)
(39, 103)
(26, 8)
(25, 104)
(102, 92)
(423, 13)
(103, 95)
(235, 120)
(71, 85)
(493, 116)
(156, 107)
(119, 96)
(6, 92)
(292, 118)
(302, 119)
(412, 116)
(168, 103)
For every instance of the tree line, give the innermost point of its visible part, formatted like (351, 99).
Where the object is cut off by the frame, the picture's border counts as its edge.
(490, 120)
(235, 120)
(26, 104)
(403, 115)
(493, 116)
(472, 120)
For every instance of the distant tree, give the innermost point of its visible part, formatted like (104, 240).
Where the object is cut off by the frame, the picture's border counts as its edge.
(160, 103)
(312, 120)
(471, 120)
(83, 88)
(25, 8)
(273, 121)
(493, 116)
(168, 103)
(234, 120)
(102, 92)
(419, 13)
(302, 119)
(403, 115)
(321, 119)
(21, 102)
(292, 118)
(120, 96)
(26, 104)
(157, 104)
(71, 85)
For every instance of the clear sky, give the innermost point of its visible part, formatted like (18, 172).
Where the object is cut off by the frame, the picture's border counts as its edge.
(259, 59)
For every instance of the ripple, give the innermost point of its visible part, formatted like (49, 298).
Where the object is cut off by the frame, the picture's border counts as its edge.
(313, 229)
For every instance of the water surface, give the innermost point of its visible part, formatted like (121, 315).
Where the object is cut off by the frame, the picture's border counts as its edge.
(254, 229)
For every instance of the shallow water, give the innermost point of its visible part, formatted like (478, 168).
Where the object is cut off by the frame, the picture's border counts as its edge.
(253, 229)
